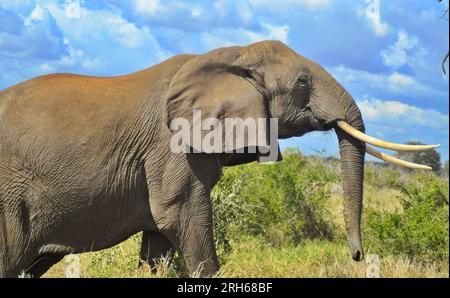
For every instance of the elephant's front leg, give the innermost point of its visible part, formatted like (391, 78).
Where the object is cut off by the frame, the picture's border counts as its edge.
(181, 207)
(188, 225)
(195, 239)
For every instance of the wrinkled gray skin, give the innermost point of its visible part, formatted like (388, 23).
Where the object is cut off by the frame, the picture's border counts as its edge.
(85, 162)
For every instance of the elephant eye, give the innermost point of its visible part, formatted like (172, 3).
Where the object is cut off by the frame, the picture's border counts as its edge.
(246, 73)
(303, 81)
(240, 71)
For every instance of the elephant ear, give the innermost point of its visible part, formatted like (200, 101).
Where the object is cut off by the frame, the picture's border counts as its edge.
(215, 85)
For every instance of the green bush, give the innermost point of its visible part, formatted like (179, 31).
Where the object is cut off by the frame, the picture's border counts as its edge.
(284, 202)
(420, 231)
(227, 209)
(381, 176)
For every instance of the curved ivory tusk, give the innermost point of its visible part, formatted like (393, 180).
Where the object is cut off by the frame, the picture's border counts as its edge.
(380, 143)
(394, 160)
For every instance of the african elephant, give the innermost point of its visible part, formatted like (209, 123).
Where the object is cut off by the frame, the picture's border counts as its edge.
(85, 162)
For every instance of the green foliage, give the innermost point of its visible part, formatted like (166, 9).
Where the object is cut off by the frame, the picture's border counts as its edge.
(287, 203)
(284, 220)
(227, 210)
(380, 176)
(421, 230)
(445, 170)
(284, 202)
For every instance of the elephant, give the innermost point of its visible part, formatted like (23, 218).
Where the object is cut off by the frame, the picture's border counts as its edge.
(86, 162)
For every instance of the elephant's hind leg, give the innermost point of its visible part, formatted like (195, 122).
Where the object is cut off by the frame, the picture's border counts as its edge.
(16, 242)
(3, 245)
(154, 246)
(42, 264)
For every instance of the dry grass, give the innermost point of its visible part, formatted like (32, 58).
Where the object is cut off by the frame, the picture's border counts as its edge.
(118, 261)
(384, 199)
(252, 258)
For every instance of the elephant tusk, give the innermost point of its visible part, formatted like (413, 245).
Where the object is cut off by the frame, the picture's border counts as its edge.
(394, 160)
(380, 143)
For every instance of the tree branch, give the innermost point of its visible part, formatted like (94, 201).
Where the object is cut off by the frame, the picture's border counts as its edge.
(443, 63)
(446, 56)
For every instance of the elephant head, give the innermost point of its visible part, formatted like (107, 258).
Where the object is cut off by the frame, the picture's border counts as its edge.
(269, 80)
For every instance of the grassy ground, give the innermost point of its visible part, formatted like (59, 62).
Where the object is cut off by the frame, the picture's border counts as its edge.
(315, 259)
(251, 257)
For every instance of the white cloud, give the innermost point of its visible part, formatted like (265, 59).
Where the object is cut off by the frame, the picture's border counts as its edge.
(381, 29)
(103, 26)
(39, 37)
(222, 7)
(398, 78)
(147, 7)
(395, 83)
(74, 56)
(372, 12)
(38, 13)
(245, 12)
(316, 4)
(17, 5)
(395, 113)
(291, 4)
(45, 67)
(127, 33)
(227, 37)
(196, 12)
(274, 32)
(103, 42)
(398, 54)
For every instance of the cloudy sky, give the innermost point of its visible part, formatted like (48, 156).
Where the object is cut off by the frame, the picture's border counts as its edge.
(387, 58)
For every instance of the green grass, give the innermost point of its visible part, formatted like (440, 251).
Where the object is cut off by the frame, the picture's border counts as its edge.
(286, 220)
(252, 257)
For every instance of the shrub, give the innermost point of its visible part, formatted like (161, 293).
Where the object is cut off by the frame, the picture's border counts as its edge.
(420, 231)
(227, 210)
(381, 176)
(284, 202)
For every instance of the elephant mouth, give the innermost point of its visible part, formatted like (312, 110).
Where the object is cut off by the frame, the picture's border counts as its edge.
(323, 125)
(312, 125)
(326, 125)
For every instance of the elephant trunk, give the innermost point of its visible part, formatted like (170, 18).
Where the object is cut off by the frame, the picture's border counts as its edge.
(333, 102)
(352, 152)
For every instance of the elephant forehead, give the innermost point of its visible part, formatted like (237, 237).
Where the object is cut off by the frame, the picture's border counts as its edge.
(269, 48)
(256, 54)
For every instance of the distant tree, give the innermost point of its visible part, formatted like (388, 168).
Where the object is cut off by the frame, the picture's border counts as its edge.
(430, 158)
(445, 170)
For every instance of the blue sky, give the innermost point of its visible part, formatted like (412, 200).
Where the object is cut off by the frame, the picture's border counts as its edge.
(388, 59)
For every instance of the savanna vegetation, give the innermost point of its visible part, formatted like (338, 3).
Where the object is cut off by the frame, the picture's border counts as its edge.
(285, 220)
